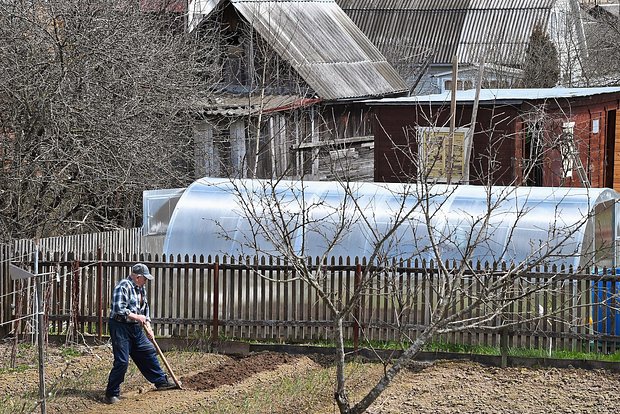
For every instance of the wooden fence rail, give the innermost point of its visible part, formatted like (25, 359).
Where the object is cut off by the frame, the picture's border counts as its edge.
(207, 298)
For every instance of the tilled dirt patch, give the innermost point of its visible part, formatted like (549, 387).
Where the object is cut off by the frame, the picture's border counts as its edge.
(236, 370)
(269, 382)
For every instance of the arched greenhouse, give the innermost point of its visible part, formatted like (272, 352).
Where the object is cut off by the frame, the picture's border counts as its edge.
(562, 226)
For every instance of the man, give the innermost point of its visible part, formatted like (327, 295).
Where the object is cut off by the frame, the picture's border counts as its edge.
(129, 314)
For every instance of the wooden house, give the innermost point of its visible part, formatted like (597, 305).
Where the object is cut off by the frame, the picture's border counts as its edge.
(288, 103)
(422, 38)
(537, 137)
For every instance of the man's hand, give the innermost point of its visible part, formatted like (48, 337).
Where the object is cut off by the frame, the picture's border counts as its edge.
(139, 318)
(148, 330)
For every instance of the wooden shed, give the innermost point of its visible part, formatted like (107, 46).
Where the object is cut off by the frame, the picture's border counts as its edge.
(538, 137)
(288, 103)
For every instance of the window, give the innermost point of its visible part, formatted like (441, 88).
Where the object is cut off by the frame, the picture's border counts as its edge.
(437, 159)
(461, 84)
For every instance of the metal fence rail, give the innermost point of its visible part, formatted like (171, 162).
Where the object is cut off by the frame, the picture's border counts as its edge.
(5, 288)
(265, 300)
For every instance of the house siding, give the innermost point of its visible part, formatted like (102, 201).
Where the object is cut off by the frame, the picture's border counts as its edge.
(496, 143)
(500, 136)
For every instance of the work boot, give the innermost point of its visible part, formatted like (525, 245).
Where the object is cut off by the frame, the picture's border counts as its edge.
(168, 385)
(111, 399)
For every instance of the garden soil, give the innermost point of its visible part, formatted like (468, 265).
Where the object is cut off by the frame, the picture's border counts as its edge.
(274, 383)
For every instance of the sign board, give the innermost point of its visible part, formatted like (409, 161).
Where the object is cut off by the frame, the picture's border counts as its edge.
(18, 273)
(440, 151)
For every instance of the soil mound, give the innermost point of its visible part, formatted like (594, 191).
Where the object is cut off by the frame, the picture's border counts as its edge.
(236, 370)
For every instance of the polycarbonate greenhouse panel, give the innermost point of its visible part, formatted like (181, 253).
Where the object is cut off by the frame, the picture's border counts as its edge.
(258, 217)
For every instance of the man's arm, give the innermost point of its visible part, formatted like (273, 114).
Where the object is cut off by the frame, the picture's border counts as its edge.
(147, 323)
(148, 330)
(120, 305)
(135, 317)
(119, 301)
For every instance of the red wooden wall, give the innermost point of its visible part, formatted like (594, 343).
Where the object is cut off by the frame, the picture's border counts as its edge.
(499, 135)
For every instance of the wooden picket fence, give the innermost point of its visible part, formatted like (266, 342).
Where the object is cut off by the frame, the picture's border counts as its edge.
(123, 240)
(208, 298)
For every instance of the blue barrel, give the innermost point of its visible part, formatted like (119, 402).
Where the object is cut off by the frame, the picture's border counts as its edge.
(606, 305)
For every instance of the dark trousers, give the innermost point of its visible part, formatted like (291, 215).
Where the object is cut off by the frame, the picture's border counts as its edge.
(129, 340)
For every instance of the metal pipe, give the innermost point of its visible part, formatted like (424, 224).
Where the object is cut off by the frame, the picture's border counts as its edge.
(39, 296)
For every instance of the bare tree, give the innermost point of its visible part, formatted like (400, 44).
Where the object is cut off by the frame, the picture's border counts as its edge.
(412, 221)
(96, 105)
(602, 31)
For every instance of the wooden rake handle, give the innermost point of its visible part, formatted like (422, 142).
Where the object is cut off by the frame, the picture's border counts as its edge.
(168, 367)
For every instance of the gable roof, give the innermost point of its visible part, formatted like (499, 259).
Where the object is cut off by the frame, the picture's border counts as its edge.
(322, 44)
(498, 29)
(235, 105)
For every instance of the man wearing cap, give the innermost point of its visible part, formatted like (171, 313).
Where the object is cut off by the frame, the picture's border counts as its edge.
(129, 314)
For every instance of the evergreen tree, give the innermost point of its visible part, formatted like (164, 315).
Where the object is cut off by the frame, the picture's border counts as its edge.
(542, 65)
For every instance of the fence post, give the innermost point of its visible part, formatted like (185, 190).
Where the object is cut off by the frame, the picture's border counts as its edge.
(356, 325)
(216, 301)
(75, 298)
(99, 293)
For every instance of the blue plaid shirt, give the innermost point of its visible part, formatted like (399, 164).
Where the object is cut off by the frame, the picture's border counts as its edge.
(129, 298)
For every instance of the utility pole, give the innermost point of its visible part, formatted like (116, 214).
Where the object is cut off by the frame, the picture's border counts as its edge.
(449, 145)
(469, 137)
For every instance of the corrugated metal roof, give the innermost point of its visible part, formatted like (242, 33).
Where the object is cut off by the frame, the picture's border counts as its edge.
(499, 29)
(324, 45)
(498, 95)
(235, 105)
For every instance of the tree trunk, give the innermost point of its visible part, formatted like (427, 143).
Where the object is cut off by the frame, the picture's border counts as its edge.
(409, 354)
(341, 396)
